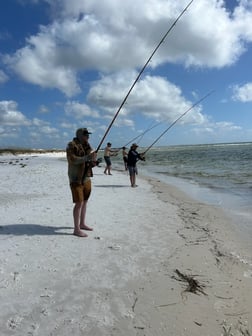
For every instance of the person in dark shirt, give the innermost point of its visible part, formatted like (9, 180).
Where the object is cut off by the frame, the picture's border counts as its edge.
(133, 157)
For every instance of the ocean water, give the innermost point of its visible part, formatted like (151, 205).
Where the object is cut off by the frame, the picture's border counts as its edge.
(223, 168)
(218, 174)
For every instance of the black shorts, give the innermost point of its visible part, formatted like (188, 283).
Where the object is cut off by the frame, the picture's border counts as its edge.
(107, 160)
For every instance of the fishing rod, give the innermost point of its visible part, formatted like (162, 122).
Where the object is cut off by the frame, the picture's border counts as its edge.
(140, 73)
(141, 134)
(175, 121)
(149, 129)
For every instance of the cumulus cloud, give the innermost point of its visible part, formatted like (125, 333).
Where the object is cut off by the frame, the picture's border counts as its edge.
(39, 122)
(10, 116)
(48, 130)
(3, 77)
(229, 126)
(91, 52)
(216, 131)
(43, 109)
(78, 110)
(243, 93)
(154, 97)
(111, 36)
(41, 128)
(38, 63)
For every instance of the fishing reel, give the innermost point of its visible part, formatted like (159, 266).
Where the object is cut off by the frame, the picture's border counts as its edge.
(98, 161)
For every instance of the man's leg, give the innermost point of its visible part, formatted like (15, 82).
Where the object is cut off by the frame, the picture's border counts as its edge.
(77, 210)
(83, 217)
(132, 179)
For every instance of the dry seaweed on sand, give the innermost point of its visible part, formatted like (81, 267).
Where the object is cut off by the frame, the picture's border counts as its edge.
(193, 285)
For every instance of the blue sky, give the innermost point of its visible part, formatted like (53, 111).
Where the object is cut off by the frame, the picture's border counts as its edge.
(68, 64)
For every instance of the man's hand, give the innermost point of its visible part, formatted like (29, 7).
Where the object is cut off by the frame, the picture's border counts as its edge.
(93, 155)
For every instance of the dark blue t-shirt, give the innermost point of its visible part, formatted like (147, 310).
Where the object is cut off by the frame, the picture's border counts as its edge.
(133, 157)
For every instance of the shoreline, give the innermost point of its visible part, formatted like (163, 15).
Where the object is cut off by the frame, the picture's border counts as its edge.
(213, 253)
(172, 194)
(122, 279)
(234, 207)
(237, 215)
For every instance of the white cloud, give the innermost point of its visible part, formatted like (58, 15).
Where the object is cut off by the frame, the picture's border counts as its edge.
(37, 63)
(242, 93)
(214, 132)
(227, 126)
(222, 128)
(9, 114)
(3, 77)
(39, 122)
(153, 97)
(41, 128)
(78, 111)
(43, 109)
(111, 36)
(48, 130)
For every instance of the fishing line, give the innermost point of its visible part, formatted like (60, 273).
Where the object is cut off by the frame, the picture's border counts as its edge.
(175, 121)
(140, 135)
(140, 73)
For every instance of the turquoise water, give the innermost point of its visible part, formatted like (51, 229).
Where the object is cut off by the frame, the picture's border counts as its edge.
(218, 174)
(225, 168)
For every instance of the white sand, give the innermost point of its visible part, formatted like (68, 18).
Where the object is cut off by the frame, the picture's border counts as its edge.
(121, 280)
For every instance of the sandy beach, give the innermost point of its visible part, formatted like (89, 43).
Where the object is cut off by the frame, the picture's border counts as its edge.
(157, 263)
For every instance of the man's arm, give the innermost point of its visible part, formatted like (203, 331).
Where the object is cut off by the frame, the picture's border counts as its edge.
(76, 160)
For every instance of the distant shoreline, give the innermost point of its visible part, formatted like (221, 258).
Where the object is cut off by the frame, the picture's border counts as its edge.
(17, 151)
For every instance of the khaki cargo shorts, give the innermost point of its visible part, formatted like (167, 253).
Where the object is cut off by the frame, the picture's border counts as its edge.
(81, 192)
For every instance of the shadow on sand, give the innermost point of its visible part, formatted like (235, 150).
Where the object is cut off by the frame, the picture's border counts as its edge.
(110, 185)
(32, 230)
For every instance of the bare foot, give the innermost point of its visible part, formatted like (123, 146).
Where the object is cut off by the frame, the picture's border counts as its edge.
(80, 234)
(85, 227)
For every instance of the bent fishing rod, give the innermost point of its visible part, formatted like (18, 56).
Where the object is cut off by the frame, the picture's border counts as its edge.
(159, 123)
(143, 133)
(175, 121)
(140, 135)
(140, 73)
